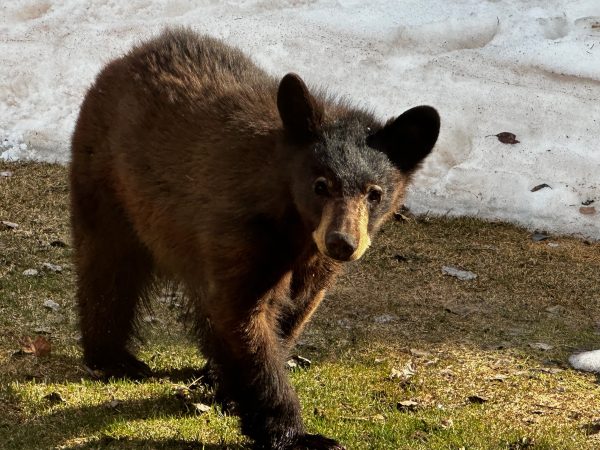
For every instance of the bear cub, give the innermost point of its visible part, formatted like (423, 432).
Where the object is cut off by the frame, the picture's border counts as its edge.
(191, 164)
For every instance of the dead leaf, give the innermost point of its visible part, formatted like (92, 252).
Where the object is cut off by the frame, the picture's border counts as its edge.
(419, 353)
(400, 258)
(506, 137)
(40, 346)
(297, 361)
(538, 237)
(499, 378)
(550, 370)
(591, 428)
(477, 399)
(201, 408)
(399, 217)
(461, 310)
(556, 309)
(54, 397)
(540, 186)
(541, 346)
(9, 225)
(407, 405)
(182, 393)
(405, 374)
(587, 210)
(447, 423)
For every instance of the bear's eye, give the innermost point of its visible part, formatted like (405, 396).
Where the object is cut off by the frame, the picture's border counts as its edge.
(320, 187)
(374, 195)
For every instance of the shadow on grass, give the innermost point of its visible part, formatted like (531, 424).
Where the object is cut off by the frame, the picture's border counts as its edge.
(168, 444)
(64, 425)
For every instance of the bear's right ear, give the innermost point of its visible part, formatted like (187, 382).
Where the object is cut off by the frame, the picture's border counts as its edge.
(299, 111)
(409, 138)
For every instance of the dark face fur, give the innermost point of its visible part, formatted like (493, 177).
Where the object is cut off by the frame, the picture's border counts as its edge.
(349, 174)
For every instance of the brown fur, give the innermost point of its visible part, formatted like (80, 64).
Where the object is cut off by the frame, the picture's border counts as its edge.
(181, 166)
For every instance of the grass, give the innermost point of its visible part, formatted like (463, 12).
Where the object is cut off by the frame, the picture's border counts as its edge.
(462, 350)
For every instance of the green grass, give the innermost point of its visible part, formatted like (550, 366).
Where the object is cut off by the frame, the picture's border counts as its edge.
(461, 339)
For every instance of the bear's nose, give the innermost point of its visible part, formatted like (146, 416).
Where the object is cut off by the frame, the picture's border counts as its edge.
(340, 246)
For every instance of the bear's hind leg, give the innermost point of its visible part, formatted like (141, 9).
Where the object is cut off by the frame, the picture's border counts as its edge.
(114, 271)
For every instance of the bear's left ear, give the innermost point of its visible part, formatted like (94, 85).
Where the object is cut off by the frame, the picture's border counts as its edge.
(409, 138)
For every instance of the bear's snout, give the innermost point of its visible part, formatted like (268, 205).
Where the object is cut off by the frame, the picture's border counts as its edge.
(340, 246)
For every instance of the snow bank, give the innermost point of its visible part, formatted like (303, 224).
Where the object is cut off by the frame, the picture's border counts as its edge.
(531, 68)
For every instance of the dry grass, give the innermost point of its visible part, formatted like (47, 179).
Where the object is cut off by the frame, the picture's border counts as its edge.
(393, 310)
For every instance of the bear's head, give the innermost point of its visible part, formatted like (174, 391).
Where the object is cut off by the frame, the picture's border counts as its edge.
(349, 171)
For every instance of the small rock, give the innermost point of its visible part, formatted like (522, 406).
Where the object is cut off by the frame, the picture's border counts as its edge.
(587, 210)
(52, 267)
(586, 361)
(42, 330)
(556, 309)
(463, 275)
(541, 346)
(6, 174)
(385, 318)
(51, 304)
(30, 272)
(9, 225)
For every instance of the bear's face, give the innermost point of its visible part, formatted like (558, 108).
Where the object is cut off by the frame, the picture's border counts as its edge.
(349, 173)
(344, 189)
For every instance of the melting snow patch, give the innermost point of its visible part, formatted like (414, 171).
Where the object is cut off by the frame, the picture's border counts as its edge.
(586, 361)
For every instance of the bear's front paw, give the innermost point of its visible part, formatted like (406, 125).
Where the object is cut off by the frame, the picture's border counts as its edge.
(317, 442)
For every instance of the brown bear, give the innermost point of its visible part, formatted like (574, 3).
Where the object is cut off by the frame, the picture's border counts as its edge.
(190, 162)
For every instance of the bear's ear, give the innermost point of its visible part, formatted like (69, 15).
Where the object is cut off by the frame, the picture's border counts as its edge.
(409, 138)
(300, 113)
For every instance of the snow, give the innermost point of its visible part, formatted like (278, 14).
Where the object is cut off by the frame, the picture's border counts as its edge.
(586, 361)
(531, 68)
